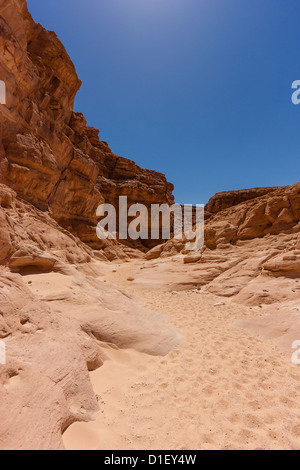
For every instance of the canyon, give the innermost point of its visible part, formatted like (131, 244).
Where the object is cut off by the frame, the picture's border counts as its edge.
(72, 304)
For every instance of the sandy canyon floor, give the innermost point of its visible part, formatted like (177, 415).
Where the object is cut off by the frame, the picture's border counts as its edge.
(223, 388)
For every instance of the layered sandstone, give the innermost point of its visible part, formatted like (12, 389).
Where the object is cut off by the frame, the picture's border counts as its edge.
(49, 155)
(54, 172)
(251, 252)
(57, 317)
(60, 310)
(276, 212)
(227, 199)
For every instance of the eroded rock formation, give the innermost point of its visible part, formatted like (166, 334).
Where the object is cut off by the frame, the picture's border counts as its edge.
(55, 332)
(49, 155)
(54, 172)
(227, 199)
(251, 252)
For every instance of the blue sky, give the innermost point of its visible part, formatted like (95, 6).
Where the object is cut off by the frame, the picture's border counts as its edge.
(197, 89)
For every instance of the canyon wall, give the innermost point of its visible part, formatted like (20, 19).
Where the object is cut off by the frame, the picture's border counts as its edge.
(54, 172)
(48, 154)
(226, 199)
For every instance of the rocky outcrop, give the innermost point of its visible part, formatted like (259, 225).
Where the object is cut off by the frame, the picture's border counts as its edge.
(30, 238)
(227, 199)
(49, 156)
(251, 252)
(54, 172)
(275, 213)
(258, 273)
(55, 332)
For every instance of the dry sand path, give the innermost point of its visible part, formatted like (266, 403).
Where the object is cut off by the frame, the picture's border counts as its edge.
(223, 388)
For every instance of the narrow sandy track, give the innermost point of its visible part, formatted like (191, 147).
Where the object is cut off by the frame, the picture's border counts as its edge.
(221, 389)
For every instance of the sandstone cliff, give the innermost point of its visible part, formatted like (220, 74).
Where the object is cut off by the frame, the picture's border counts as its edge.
(49, 156)
(54, 172)
(224, 200)
(251, 252)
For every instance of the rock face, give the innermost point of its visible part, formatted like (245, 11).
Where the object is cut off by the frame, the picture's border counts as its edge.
(49, 156)
(54, 336)
(276, 212)
(55, 333)
(54, 172)
(29, 237)
(251, 252)
(227, 199)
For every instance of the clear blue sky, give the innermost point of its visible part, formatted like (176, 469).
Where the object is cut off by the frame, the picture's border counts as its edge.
(197, 89)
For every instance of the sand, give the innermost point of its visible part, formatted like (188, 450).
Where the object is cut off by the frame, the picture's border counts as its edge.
(223, 388)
